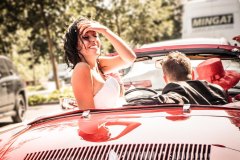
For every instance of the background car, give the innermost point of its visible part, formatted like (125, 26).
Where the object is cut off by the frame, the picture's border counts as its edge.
(13, 96)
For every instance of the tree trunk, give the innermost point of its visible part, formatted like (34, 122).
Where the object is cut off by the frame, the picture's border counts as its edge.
(117, 24)
(50, 48)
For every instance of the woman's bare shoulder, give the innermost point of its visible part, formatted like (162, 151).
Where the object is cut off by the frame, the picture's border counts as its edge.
(81, 73)
(81, 70)
(82, 66)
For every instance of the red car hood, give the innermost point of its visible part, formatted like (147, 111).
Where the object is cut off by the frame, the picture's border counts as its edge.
(214, 131)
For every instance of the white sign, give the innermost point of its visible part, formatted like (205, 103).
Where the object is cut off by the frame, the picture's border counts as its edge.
(214, 20)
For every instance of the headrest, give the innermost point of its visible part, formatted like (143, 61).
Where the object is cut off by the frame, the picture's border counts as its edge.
(212, 71)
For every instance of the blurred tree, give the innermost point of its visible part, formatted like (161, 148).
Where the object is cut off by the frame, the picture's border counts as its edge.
(45, 21)
(136, 21)
(9, 20)
(42, 18)
(145, 21)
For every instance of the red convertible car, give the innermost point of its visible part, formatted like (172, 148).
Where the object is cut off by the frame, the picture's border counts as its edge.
(137, 131)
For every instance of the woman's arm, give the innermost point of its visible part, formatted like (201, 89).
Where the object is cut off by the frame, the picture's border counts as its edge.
(125, 56)
(82, 84)
(124, 51)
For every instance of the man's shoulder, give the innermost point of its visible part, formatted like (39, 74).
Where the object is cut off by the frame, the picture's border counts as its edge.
(172, 86)
(180, 85)
(199, 82)
(211, 85)
(174, 92)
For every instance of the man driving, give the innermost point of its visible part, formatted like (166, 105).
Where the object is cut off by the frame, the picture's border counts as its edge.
(181, 88)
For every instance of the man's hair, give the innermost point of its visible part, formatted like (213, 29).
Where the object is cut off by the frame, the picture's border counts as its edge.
(177, 66)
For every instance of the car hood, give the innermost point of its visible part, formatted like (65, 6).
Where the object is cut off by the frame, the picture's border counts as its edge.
(213, 133)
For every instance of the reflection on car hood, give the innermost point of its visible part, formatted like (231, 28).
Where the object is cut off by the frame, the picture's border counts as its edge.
(214, 132)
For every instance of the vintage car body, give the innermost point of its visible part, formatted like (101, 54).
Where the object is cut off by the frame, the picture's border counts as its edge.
(135, 131)
(156, 132)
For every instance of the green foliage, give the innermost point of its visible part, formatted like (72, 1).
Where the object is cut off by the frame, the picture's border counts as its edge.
(36, 100)
(137, 21)
(67, 92)
(53, 97)
(37, 73)
(10, 19)
(35, 88)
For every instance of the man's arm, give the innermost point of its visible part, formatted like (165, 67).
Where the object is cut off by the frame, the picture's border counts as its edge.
(234, 104)
(172, 97)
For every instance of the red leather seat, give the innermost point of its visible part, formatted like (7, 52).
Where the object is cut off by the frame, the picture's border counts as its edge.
(212, 71)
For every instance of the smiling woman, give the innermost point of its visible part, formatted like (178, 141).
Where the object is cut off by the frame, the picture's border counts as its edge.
(82, 52)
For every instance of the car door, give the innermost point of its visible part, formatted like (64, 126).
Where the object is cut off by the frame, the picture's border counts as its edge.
(3, 85)
(12, 82)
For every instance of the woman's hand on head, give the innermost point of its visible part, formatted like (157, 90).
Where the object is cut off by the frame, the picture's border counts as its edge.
(91, 26)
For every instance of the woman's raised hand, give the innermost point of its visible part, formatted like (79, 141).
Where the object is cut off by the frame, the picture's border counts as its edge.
(91, 26)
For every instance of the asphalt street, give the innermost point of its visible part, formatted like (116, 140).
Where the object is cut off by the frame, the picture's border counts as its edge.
(39, 110)
(33, 113)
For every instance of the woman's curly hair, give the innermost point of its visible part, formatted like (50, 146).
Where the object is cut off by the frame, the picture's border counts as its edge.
(72, 55)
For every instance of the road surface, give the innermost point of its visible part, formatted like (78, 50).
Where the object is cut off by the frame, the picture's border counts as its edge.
(33, 113)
